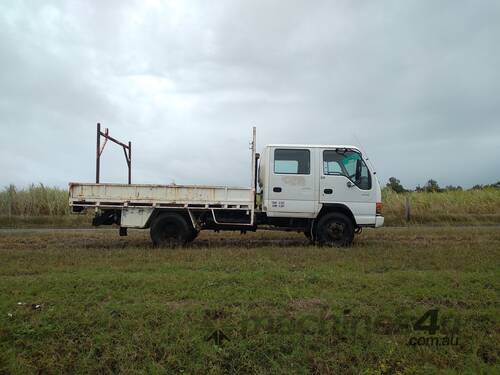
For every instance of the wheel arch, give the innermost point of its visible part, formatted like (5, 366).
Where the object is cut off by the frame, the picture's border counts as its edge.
(337, 207)
(158, 212)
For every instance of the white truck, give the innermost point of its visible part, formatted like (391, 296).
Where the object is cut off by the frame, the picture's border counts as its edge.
(328, 192)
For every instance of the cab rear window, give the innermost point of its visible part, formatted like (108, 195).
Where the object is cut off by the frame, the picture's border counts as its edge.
(292, 161)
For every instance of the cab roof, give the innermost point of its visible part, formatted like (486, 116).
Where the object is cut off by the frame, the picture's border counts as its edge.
(313, 146)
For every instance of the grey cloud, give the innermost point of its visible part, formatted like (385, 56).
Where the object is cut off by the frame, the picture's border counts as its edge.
(415, 82)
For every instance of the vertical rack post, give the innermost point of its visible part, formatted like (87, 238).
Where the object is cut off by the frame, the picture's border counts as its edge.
(129, 162)
(254, 163)
(98, 154)
(254, 172)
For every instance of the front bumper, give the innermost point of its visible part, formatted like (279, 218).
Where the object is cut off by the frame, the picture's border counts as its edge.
(379, 221)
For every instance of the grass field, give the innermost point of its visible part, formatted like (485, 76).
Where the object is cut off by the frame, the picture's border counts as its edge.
(111, 304)
(39, 206)
(451, 207)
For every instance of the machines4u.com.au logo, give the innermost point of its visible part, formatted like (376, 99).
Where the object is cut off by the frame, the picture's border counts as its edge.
(428, 323)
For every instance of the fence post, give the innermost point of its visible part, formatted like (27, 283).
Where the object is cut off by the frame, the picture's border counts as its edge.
(10, 204)
(407, 209)
(11, 190)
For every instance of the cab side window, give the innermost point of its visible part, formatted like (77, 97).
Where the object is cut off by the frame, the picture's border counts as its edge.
(292, 161)
(349, 164)
(331, 167)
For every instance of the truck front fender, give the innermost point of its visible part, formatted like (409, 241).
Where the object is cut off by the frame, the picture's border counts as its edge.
(336, 207)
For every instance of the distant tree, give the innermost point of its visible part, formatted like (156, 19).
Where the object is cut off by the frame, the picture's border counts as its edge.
(432, 186)
(495, 185)
(453, 188)
(395, 185)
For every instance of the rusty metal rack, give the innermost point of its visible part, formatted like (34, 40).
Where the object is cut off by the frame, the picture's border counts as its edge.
(127, 150)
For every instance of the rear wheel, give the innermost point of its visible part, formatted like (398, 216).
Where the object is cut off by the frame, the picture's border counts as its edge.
(170, 230)
(335, 229)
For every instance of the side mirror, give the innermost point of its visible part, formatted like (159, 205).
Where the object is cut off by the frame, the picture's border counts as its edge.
(359, 165)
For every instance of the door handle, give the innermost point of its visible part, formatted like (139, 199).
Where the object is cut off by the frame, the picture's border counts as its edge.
(328, 191)
(277, 189)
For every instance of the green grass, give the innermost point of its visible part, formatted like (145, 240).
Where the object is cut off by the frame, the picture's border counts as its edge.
(33, 201)
(112, 304)
(478, 206)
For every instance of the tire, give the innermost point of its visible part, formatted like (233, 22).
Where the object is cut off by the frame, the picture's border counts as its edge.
(335, 229)
(170, 230)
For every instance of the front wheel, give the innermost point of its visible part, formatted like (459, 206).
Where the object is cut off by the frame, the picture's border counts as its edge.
(335, 229)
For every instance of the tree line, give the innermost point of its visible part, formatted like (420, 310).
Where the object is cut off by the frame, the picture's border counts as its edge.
(432, 186)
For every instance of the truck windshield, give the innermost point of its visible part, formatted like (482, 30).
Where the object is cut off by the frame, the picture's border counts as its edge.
(344, 163)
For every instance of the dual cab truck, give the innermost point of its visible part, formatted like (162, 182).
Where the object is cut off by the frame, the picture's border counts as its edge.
(328, 192)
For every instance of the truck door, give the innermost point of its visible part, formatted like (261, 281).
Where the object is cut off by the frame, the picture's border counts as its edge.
(345, 179)
(291, 181)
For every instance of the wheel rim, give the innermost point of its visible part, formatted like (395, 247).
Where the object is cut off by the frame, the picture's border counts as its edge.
(170, 234)
(334, 231)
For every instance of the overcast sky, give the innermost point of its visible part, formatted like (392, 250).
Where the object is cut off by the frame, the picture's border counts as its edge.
(415, 83)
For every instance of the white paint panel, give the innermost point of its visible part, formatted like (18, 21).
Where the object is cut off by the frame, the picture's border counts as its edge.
(160, 194)
(298, 191)
(289, 206)
(135, 217)
(362, 203)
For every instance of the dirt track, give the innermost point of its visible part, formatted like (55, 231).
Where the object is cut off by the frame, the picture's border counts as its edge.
(40, 238)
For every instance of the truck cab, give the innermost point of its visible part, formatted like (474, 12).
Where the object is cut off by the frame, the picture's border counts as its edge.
(311, 181)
